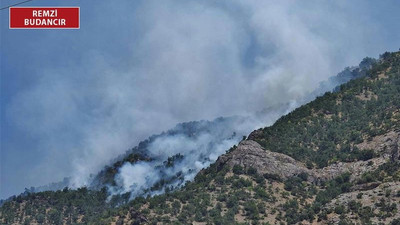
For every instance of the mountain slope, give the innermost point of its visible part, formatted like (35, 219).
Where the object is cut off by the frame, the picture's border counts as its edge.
(171, 158)
(223, 129)
(334, 160)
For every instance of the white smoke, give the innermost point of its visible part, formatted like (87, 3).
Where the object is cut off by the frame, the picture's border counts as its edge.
(136, 178)
(197, 146)
(174, 61)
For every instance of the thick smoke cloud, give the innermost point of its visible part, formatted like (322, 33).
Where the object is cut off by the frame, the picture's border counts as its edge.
(179, 154)
(175, 61)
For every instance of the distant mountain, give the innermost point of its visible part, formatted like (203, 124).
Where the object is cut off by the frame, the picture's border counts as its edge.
(334, 160)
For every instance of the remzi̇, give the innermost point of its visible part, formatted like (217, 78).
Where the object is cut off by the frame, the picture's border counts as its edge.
(44, 13)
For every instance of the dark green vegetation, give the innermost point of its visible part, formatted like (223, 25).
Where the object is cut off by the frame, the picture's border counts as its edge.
(335, 122)
(55, 207)
(323, 132)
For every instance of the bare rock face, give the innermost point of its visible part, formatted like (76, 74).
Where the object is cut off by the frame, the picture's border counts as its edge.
(395, 155)
(356, 169)
(257, 134)
(365, 187)
(251, 154)
(386, 145)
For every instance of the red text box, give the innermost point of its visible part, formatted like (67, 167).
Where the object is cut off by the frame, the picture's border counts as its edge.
(44, 17)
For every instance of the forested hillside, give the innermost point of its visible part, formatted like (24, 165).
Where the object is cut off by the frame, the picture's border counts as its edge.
(334, 160)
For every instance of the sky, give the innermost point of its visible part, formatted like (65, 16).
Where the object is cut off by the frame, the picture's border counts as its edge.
(71, 100)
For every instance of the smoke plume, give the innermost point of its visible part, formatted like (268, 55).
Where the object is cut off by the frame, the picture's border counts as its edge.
(96, 92)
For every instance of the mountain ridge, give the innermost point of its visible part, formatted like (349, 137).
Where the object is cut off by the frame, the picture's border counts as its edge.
(320, 164)
(138, 153)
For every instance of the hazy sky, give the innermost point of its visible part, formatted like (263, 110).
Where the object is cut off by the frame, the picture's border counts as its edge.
(73, 99)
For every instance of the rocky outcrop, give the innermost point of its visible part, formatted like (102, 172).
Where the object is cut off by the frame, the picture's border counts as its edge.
(356, 169)
(386, 145)
(251, 154)
(365, 187)
(256, 135)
